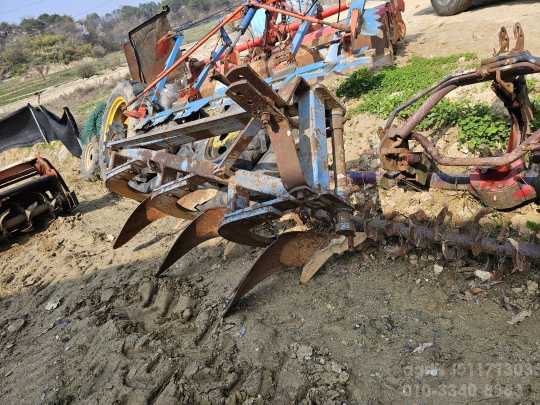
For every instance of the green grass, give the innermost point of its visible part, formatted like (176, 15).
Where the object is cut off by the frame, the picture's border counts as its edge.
(533, 226)
(381, 92)
(196, 33)
(384, 90)
(18, 88)
(535, 123)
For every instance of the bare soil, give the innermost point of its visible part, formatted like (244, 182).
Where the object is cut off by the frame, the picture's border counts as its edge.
(81, 323)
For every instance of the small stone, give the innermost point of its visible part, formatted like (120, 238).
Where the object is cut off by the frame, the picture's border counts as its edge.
(53, 303)
(483, 275)
(109, 237)
(304, 352)
(532, 287)
(187, 314)
(520, 317)
(437, 269)
(432, 371)
(107, 294)
(413, 259)
(16, 325)
(422, 347)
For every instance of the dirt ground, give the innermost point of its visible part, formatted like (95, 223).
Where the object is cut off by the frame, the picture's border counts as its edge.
(472, 31)
(81, 323)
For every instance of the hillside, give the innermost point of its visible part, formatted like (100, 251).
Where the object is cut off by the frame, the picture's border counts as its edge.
(37, 43)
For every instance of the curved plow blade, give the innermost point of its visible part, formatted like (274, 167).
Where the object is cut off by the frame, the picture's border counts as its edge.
(337, 246)
(139, 219)
(192, 200)
(148, 211)
(242, 231)
(291, 249)
(203, 228)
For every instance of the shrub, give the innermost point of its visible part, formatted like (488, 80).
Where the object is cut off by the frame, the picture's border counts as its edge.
(86, 70)
(535, 123)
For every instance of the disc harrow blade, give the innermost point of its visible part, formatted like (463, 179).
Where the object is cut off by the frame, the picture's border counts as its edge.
(291, 249)
(201, 229)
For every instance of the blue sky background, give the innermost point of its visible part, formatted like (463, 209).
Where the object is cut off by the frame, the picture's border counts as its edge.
(14, 11)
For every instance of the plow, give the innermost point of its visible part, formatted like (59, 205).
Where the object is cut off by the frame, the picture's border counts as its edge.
(261, 160)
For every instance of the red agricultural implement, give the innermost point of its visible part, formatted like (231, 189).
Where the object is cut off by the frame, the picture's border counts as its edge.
(31, 194)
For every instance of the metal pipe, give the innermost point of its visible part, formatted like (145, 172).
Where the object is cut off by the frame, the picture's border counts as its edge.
(424, 110)
(340, 27)
(293, 27)
(530, 144)
(338, 147)
(439, 180)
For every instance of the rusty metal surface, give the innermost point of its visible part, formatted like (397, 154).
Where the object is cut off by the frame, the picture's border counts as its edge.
(532, 143)
(30, 192)
(145, 59)
(240, 229)
(201, 229)
(500, 181)
(424, 235)
(291, 249)
(149, 211)
(173, 135)
(139, 219)
(254, 95)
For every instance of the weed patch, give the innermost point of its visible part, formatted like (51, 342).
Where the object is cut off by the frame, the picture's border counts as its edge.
(381, 92)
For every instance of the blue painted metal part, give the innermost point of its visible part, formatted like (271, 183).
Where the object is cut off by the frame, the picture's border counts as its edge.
(313, 149)
(170, 60)
(301, 33)
(246, 21)
(371, 25)
(356, 5)
(155, 119)
(333, 63)
(258, 25)
(216, 55)
(192, 107)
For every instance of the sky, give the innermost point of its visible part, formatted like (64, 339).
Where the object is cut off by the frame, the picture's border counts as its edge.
(14, 11)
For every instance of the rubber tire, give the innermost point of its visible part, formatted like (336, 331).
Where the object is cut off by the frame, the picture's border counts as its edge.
(198, 151)
(450, 7)
(89, 163)
(126, 89)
